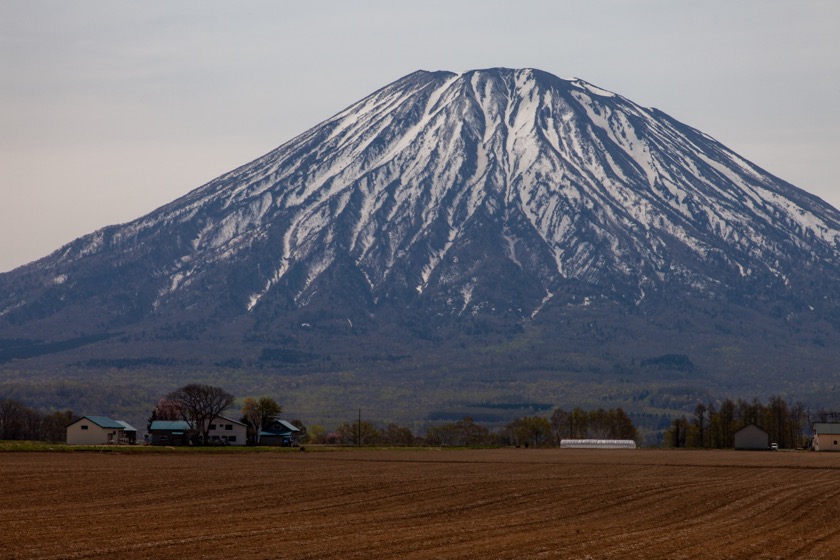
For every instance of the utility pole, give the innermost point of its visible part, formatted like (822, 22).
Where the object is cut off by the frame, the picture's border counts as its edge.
(360, 428)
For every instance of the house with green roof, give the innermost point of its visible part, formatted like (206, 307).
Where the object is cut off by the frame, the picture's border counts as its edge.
(95, 430)
(170, 432)
(130, 432)
(279, 432)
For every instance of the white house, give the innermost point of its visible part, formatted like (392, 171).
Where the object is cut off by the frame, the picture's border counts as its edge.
(826, 436)
(95, 430)
(227, 430)
(752, 437)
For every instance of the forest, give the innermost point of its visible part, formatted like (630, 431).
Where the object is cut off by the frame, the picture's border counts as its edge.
(714, 426)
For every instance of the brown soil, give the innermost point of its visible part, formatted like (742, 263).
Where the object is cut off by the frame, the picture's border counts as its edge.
(507, 503)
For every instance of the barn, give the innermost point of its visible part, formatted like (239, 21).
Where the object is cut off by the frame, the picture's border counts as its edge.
(826, 436)
(95, 430)
(752, 437)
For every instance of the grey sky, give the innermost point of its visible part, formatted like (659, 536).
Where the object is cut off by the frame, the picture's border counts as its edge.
(109, 108)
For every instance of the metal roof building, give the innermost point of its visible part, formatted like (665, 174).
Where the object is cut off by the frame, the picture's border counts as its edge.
(170, 432)
(826, 436)
(95, 430)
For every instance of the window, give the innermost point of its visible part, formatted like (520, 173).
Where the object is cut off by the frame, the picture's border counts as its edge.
(231, 439)
(212, 426)
(84, 427)
(228, 426)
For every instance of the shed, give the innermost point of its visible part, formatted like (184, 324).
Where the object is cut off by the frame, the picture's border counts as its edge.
(752, 437)
(130, 433)
(95, 430)
(826, 436)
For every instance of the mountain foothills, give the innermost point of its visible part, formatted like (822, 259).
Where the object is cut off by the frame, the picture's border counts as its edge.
(454, 243)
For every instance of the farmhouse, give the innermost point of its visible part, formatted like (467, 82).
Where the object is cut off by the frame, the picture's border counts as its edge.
(826, 436)
(279, 432)
(224, 430)
(170, 432)
(95, 430)
(752, 437)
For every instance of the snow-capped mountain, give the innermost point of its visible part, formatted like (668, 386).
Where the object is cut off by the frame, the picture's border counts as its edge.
(488, 193)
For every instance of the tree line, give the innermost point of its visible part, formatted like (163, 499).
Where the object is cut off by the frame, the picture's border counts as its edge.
(527, 431)
(199, 404)
(714, 426)
(19, 422)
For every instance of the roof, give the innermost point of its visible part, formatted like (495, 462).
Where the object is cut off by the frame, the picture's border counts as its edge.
(128, 427)
(753, 427)
(290, 427)
(284, 429)
(285, 426)
(829, 428)
(229, 420)
(102, 422)
(170, 425)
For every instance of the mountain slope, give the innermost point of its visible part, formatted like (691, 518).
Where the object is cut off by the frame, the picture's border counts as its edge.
(447, 204)
(563, 180)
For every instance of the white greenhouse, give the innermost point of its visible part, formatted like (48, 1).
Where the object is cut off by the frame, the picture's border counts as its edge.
(597, 444)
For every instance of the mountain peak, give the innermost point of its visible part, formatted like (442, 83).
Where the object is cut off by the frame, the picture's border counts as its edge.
(430, 190)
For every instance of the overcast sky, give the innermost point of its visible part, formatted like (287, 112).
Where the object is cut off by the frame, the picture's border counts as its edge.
(110, 109)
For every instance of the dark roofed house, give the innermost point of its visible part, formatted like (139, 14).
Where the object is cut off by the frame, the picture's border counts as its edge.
(279, 432)
(170, 432)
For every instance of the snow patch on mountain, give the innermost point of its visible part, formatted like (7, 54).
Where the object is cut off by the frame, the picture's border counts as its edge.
(567, 181)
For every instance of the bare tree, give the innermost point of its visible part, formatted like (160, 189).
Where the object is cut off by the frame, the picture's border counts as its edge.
(358, 433)
(12, 419)
(165, 410)
(700, 417)
(610, 424)
(201, 403)
(561, 424)
(463, 432)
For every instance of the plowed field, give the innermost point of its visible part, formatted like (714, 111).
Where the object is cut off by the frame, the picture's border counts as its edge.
(507, 503)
